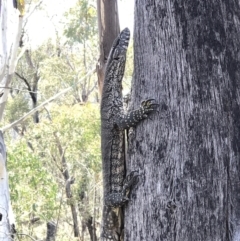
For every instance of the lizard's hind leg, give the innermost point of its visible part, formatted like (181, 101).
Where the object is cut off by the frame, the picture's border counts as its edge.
(130, 181)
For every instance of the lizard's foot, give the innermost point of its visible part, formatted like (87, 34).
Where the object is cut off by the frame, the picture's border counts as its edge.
(116, 199)
(130, 181)
(148, 106)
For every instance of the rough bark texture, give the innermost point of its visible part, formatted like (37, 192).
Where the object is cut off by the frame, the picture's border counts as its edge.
(187, 58)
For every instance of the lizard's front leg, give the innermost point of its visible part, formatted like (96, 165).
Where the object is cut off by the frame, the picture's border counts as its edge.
(134, 117)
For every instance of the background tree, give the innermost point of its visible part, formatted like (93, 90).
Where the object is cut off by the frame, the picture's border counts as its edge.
(108, 29)
(63, 144)
(186, 56)
(11, 23)
(67, 144)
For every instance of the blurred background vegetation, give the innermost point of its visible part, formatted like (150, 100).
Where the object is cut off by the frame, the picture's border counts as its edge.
(62, 137)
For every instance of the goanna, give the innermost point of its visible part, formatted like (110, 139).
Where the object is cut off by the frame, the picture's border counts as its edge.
(113, 123)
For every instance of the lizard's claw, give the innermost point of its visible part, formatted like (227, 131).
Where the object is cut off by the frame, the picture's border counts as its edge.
(130, 180)
(149, 106)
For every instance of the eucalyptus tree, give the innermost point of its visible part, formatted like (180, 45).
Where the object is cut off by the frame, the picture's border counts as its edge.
(186, 56)
(11, 24)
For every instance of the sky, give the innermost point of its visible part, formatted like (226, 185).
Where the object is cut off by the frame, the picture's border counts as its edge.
(41, 25)
(126, 9)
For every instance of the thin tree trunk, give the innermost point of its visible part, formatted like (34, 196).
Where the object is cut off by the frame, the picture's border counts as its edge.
(91, 228)
(187, 58)
(68, 182)
(11, 24)
(33, 87)
(7, 227)
(108, 28)
(51, 231)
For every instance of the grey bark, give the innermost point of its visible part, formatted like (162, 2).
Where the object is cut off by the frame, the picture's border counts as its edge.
(91, 229)
(187, 58)
(51, 231)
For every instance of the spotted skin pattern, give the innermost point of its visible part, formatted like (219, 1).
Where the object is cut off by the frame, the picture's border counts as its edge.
(114, 121)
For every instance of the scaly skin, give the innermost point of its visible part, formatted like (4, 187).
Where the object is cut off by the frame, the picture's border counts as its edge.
(113, 123)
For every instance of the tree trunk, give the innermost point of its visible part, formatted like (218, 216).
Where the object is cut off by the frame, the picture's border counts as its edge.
(51, 231)
(11, 24)
(187, 58)
(108, 28)
(33, 87)
(91, 228)
(7, 227)
(68, 182)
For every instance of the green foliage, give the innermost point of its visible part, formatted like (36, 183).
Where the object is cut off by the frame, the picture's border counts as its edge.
(60, 72)
(17, 107)
(82, 21)
(77, 127)
(32, 186)
(59, 66)
(35, 164)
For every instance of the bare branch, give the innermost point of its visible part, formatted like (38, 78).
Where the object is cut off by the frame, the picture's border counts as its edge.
(25, 81)
(29, 59)
(69, 63)
(91, 90)
(24, 234)
(19, 90)
(7, 127)
(26, 17)
(23, 49)
(68, 181)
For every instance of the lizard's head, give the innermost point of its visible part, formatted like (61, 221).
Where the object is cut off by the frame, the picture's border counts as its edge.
(120, 45)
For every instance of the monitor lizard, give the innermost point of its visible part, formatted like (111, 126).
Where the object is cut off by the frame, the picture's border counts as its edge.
(116, 184)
